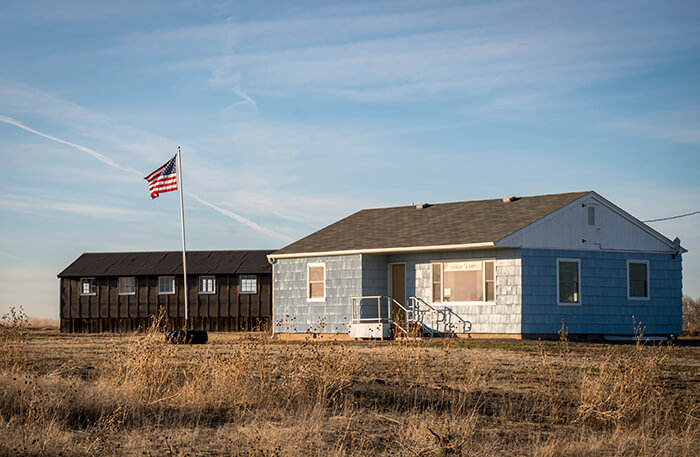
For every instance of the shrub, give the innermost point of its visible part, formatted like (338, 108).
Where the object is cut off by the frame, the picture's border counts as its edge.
(13, 337)
(691, 316)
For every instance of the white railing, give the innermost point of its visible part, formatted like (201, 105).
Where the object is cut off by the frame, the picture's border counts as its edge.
(383, 302)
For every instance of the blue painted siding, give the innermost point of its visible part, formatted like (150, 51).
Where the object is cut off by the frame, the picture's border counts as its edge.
(604, 308)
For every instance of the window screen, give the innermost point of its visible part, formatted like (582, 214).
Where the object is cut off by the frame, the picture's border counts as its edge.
(638, 284)
(127, 285)
(568, 282)
(489, 281)
(317, 276)
(437, 282)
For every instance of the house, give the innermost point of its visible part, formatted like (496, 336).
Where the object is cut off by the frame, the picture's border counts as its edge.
(120, 291)
(512, 267)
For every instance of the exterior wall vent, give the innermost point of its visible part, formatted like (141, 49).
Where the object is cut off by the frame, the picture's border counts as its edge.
(512, 198)
(423, 206)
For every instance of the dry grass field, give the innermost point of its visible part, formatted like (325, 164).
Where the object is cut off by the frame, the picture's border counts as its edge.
(248, 395)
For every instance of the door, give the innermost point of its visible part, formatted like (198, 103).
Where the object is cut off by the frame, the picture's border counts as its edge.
(592, 233)
(397, 290)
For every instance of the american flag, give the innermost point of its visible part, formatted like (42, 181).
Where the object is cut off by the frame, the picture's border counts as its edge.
(164, 179)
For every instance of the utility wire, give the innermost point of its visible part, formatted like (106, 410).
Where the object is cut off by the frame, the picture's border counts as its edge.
(672, 217)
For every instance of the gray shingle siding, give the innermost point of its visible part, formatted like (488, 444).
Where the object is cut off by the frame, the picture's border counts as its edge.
(293, 313)
(503, 316)
(367, 275)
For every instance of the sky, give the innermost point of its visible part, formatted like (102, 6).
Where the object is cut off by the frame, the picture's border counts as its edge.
(292, 115)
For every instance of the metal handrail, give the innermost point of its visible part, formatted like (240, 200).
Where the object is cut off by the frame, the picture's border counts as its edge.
(413, 314)
(441, 312)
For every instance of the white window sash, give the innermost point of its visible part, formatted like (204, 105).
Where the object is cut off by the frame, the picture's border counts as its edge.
(463, 265)
(309, 282)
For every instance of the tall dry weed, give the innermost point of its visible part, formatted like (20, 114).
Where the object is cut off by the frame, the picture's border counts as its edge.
(142, 371)
(627, 386)
(14, 329)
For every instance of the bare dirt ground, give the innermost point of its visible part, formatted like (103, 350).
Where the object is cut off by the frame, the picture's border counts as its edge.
(246, 394)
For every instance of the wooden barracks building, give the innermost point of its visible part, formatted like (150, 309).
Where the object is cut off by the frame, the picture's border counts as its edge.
(120, 291)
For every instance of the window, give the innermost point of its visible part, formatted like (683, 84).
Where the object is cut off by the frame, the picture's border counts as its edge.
(166, 284)
(249, 284)
(316, 281)
(472, 280)
(568, 282)
(638, 279)
(207, 284)
(127, 285)
(88, 286)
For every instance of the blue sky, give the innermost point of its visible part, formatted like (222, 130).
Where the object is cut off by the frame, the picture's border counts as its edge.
(292, 115)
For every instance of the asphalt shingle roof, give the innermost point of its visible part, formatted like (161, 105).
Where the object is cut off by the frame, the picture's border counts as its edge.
(168, 263)
(437, 225)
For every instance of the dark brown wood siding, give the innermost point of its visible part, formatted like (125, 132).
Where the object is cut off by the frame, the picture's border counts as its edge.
(225, 310)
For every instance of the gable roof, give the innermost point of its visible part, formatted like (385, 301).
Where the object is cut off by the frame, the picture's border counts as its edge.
(168, 263)
(446, 224)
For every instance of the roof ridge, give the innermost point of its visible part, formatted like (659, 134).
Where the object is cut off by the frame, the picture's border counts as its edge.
(472, 201)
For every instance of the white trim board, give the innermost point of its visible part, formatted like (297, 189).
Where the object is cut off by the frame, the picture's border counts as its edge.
(444, 247)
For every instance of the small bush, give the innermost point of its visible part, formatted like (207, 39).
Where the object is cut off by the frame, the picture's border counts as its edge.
(691, 316)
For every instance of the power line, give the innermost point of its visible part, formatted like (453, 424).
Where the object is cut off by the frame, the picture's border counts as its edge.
(672, 217)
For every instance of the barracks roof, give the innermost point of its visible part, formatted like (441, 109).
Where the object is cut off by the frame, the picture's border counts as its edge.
(168, 263)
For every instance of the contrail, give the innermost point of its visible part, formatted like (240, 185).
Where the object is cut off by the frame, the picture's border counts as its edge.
(241, 219)
(106, 160)
(92, 152)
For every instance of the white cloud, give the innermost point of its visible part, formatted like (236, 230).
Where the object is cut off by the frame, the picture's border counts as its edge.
(678, 126)
(241, 219)
(426, 50)
(19, 204)
(40, 205)
(26, 101)
(102, 158)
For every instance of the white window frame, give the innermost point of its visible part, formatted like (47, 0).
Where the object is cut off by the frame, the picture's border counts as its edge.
(119, 285)
(206, 292)
(94, 284)
(580, 296)
(483, 281)
(308, 283)
(173, 283)
(646, 262)
(240, 284)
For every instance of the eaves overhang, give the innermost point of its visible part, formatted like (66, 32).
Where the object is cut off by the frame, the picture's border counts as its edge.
(443, 247)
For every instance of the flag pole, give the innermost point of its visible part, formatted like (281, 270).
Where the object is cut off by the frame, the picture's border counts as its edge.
(182, 222)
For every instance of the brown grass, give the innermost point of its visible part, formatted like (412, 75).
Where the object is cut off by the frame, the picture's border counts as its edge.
(250, 395)
(43, 323)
